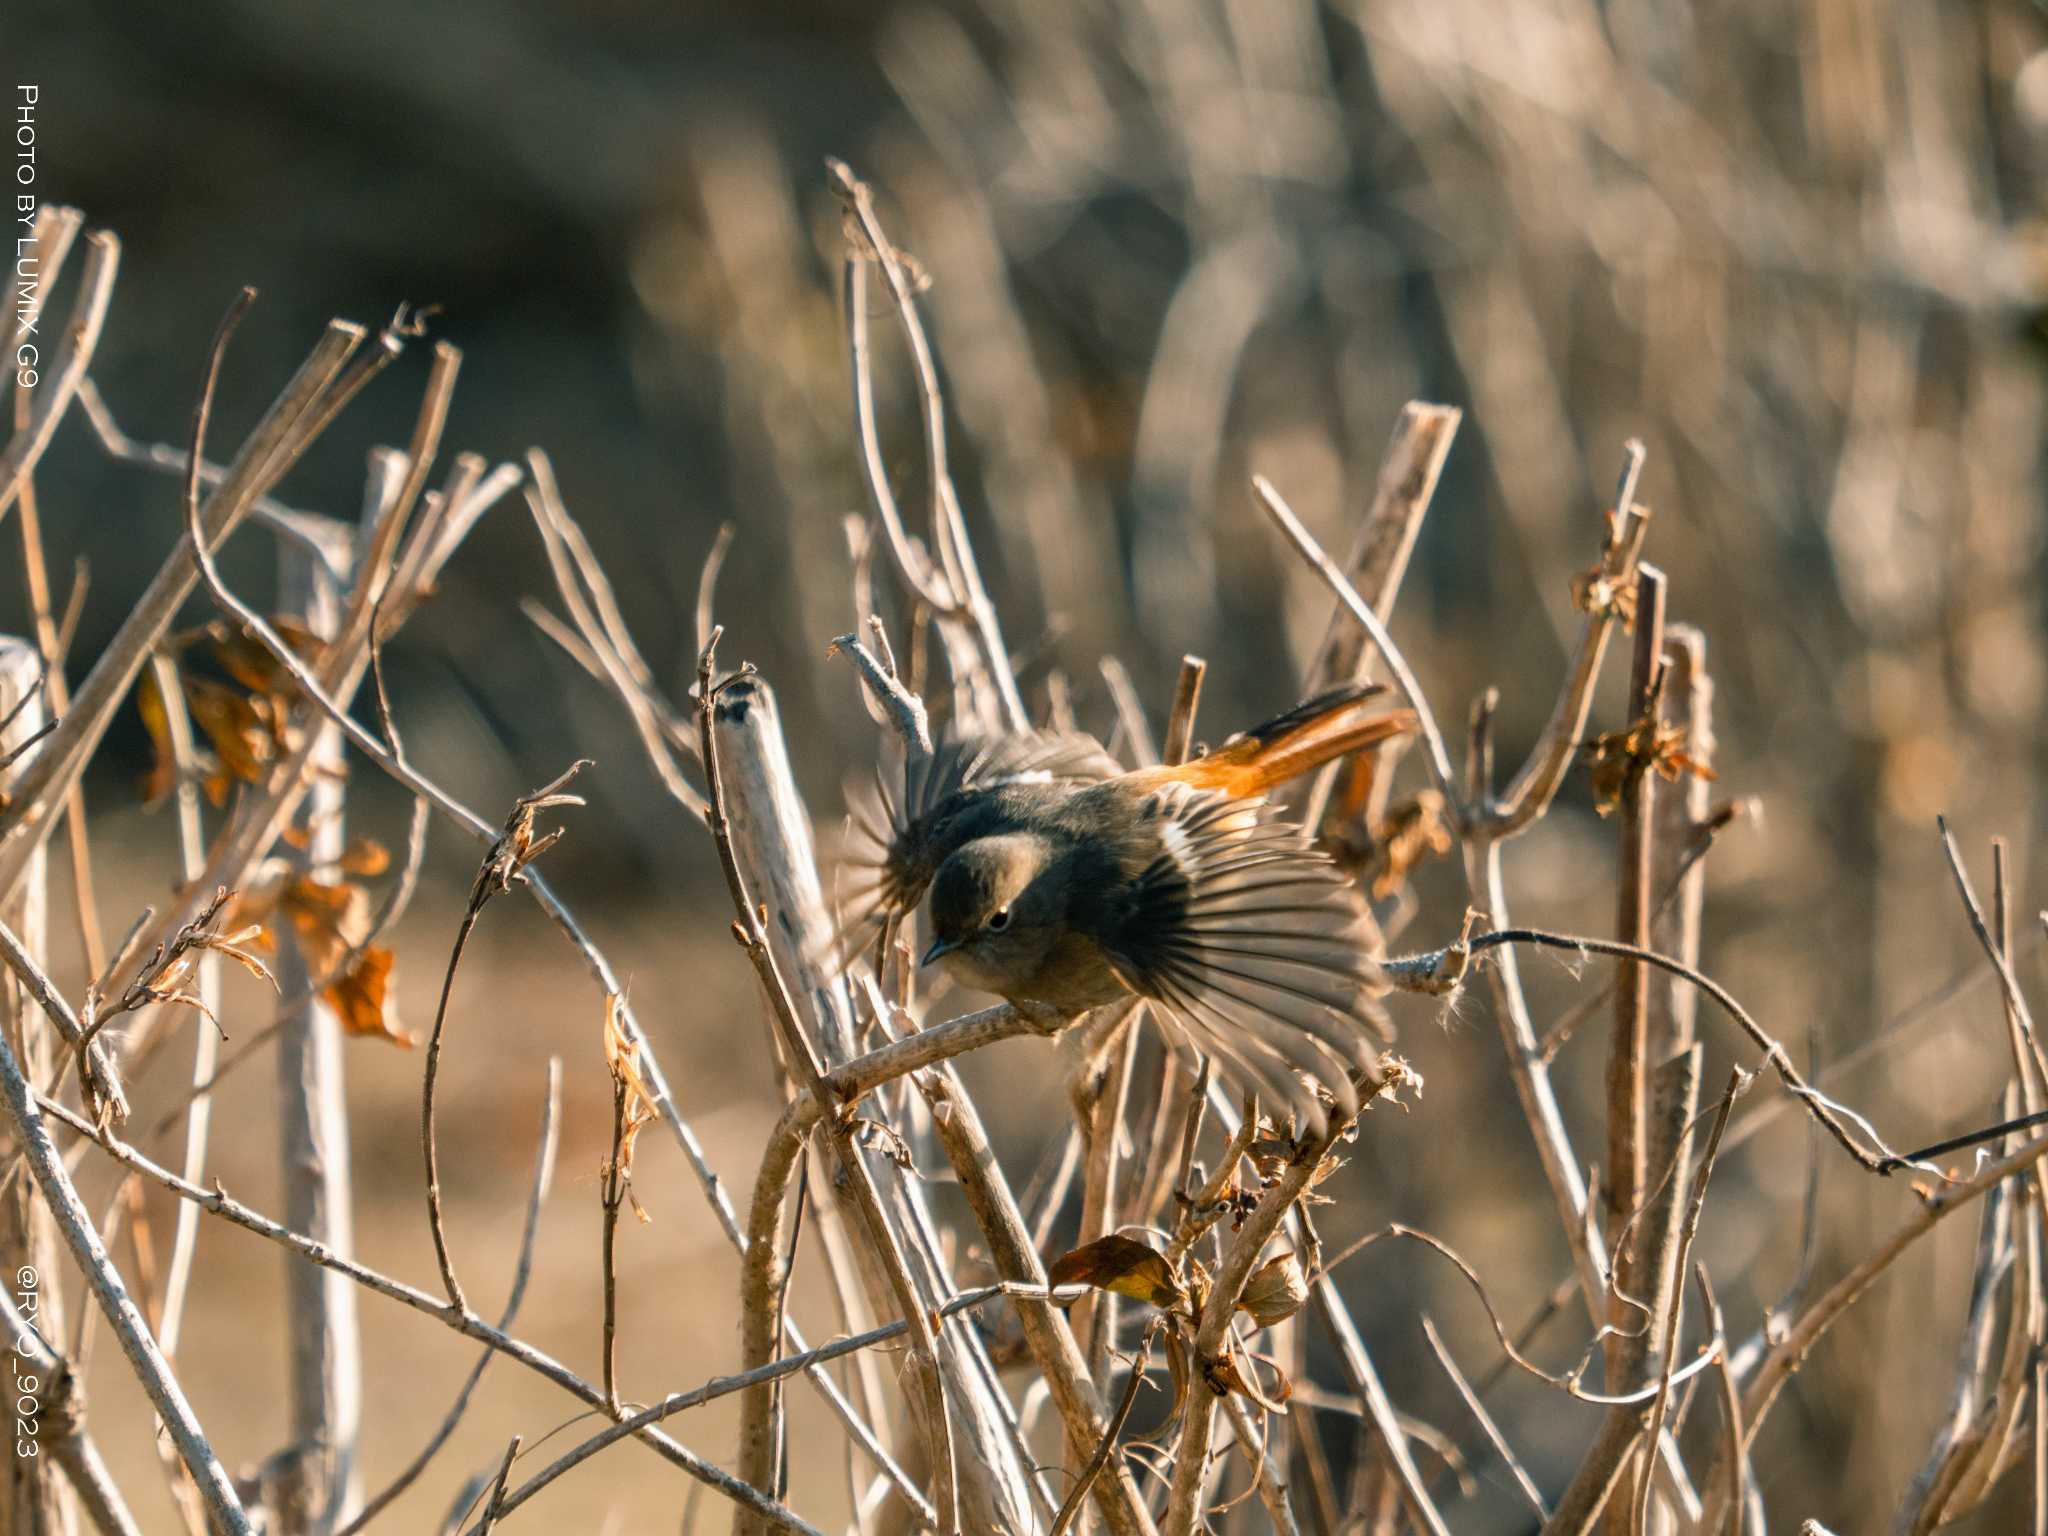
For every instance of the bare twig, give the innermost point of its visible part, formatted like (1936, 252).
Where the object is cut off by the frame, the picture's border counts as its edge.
(1191, 1455)
(904, 709)
(126, 1320)
(205, 1042)
(54, 230)
(504, 866)
(1798, 1339)
(2000, 963)
(1529, 794)
(488, 1521)
(1053, 1349)
(102, 1086)
(32, 1489)
(949, 530)
(217, 1201)
(318, 390)
(1397, 665)
(1416, 452)
(1134, 1381)
(1628, 1070)
(313, 1123)
(759, 1435)
(1674, 1309)
(1267, 1479)
(1180, 719)
(1876, 1157)
(724, 1386)
(1484, 1420)
(64, 1432)
(1740, 1484)
(543, 1177)
(602, 626)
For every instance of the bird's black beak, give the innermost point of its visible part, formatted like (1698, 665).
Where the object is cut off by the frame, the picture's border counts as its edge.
(939, 947)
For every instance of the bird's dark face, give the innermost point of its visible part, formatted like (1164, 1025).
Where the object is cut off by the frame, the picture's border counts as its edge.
(996, 913)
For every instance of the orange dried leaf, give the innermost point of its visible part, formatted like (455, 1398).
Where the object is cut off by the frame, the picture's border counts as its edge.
(243, 657)
(621, 1055)
(329, 917)
(1413, 831)
(1619, 758)
(190, 1000)
(162, 777)
(365, 858)
(1123, 1265)
(240, 733)
(236, 947)
(362, 998)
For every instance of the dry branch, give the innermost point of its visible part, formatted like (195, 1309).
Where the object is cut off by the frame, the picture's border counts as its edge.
(777, 838)
(75, 1223)
(32, 1494)
(220, 1203)
(63, 1431)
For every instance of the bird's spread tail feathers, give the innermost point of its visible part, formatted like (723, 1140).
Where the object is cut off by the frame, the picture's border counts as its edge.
(1329, 726)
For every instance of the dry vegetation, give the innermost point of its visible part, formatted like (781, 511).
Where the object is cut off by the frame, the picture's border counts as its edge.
(1164, 1311)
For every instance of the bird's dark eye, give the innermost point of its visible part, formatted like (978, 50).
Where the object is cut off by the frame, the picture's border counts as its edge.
(998, 920)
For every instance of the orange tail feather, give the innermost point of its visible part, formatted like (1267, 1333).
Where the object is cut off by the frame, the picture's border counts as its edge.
(1327, 727)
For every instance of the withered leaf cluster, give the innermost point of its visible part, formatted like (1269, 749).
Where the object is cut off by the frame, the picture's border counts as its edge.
(1414, 830)
(1648, 745)
(329, 910)
(634, 1104)
(246, 720)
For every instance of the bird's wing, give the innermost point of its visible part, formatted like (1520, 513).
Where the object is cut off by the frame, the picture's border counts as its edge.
(898, 839)
(1255, 942)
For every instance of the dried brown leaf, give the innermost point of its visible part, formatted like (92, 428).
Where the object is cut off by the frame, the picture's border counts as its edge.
(1618, 758)
(162, 777)
(365, 858)
(1275, 1291)
(238, 725)
(622, 1057)
(245, 658)
(1123, 1265)
(236, 946)
(1226, 1376)
(1413, 831)
(363, 998)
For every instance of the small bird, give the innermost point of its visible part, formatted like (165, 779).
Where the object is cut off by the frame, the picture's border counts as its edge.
(1059, 878)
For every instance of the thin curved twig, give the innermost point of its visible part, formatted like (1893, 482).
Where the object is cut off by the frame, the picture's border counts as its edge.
(503, 867)
(949, 529)
(1421, 971)
(543, 1177)
(206, 1042)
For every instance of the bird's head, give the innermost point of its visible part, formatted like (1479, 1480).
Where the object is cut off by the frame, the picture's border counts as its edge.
(996, 910)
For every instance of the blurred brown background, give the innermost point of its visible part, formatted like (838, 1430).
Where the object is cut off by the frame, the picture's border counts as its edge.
(1796, 247)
